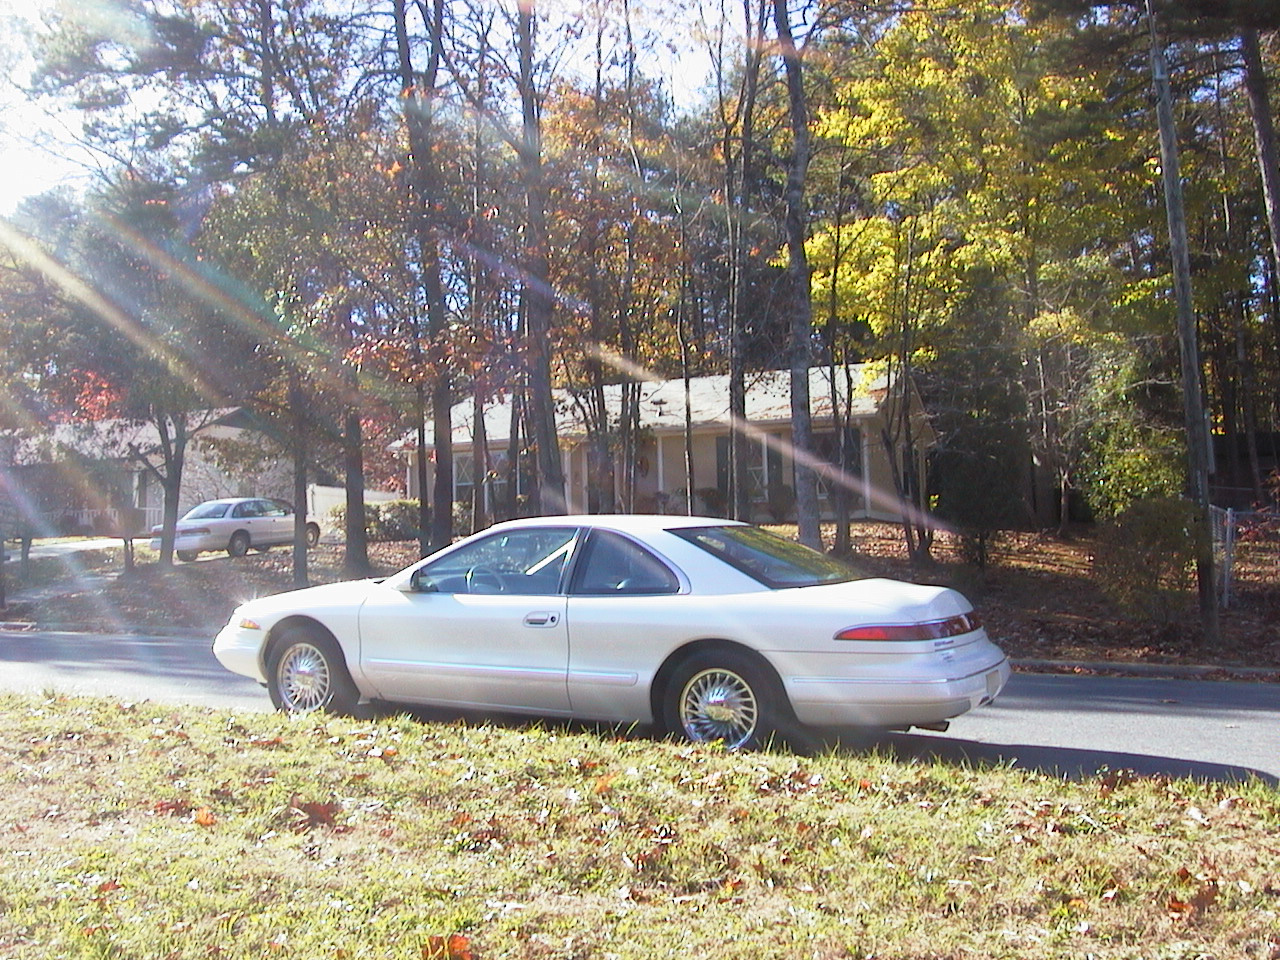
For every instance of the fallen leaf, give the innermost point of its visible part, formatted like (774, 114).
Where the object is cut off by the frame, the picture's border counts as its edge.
(1207, 895)
(453, 947)
(313, 813)
(205, 817)
(605, 784)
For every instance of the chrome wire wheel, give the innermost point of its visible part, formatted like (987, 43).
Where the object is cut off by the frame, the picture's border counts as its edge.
(719, 704)
(303, 678)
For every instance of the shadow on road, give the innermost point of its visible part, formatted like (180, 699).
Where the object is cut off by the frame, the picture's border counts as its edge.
(1066, 762)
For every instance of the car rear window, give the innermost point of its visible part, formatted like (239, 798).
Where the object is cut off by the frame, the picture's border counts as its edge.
(774, 561)
(207, 511)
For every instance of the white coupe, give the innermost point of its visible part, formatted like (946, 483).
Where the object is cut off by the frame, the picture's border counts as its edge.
(709, 629)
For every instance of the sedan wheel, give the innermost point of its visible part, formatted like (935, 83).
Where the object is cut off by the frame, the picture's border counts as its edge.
(187, 556)
(723, 697)
(238, 546)
(306, 672)
(313, 534)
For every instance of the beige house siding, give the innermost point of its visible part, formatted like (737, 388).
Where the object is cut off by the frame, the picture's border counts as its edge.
(660, 474)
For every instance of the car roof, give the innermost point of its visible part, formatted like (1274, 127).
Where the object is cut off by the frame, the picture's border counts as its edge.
(633, 523)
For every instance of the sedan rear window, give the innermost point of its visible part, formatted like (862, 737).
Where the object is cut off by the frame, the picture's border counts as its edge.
(774, 561)
(207, 511)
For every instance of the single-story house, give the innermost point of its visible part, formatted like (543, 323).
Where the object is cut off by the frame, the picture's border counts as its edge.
(867, 398)
(80, 477)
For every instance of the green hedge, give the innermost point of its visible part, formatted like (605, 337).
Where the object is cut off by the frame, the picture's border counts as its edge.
(385, 519)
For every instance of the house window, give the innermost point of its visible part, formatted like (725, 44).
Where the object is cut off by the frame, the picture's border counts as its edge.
(464, 479)
(763, 464)
(826, 446)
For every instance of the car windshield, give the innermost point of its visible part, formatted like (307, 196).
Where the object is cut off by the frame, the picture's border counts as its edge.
(207, 511)
(774, 561)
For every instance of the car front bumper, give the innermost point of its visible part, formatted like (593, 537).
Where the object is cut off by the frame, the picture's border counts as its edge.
(239, 649)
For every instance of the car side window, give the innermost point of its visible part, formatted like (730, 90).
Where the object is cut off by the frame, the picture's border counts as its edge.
(241, 510)
(613, 565)
(529, 562)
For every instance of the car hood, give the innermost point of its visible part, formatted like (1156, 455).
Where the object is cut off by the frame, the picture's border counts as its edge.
(349, 593)
(888, 601)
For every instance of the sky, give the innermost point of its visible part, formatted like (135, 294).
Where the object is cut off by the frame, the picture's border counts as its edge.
(27, 167)
(37, 147)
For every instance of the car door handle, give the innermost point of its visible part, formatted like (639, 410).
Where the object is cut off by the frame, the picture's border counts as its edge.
(542, 618)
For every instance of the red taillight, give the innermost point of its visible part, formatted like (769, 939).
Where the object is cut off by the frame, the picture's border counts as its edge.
(931, 630)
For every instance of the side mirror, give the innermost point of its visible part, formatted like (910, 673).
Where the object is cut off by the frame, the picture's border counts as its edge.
(420, 582)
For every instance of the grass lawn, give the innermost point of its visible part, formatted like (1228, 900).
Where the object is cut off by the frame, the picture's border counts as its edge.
(136, 831)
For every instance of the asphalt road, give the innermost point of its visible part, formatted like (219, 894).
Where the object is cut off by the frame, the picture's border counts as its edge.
(1066, 725)
(179, 670)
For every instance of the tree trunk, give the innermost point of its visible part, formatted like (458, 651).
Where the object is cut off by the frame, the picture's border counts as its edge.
(479, 462)
(1192, 383)
(539, 303)
(801, 349)
(1264, 135)
(739, 192)
(417, 93)
(173, 432)
(355, 563)
(420, 467)
(297, 410)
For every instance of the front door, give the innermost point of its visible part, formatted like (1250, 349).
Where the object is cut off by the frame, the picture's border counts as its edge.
(487, 628)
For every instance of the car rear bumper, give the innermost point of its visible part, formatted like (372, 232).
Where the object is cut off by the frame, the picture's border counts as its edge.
(898, 701)
(194, 542)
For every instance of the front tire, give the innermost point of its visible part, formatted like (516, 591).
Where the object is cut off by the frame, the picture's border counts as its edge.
(187, 556)
(724, 696)
(238, 545)
(306, 672)
(313, 535)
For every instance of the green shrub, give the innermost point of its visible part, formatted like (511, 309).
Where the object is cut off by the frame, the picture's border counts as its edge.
(385, 520)
(1144, 555)
(398, 520)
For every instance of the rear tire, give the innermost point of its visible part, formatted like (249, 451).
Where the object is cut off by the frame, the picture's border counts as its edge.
(187, 556)
(306, 672)
(238, 545)
(313, 535)
(724, 696)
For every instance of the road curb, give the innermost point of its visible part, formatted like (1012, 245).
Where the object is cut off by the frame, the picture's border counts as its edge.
(185, 633)
(1171, 671)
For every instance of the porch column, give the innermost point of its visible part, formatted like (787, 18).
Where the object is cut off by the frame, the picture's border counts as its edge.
(661, 466)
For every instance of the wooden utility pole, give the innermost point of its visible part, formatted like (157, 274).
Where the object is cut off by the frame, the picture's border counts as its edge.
(1197, 426)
